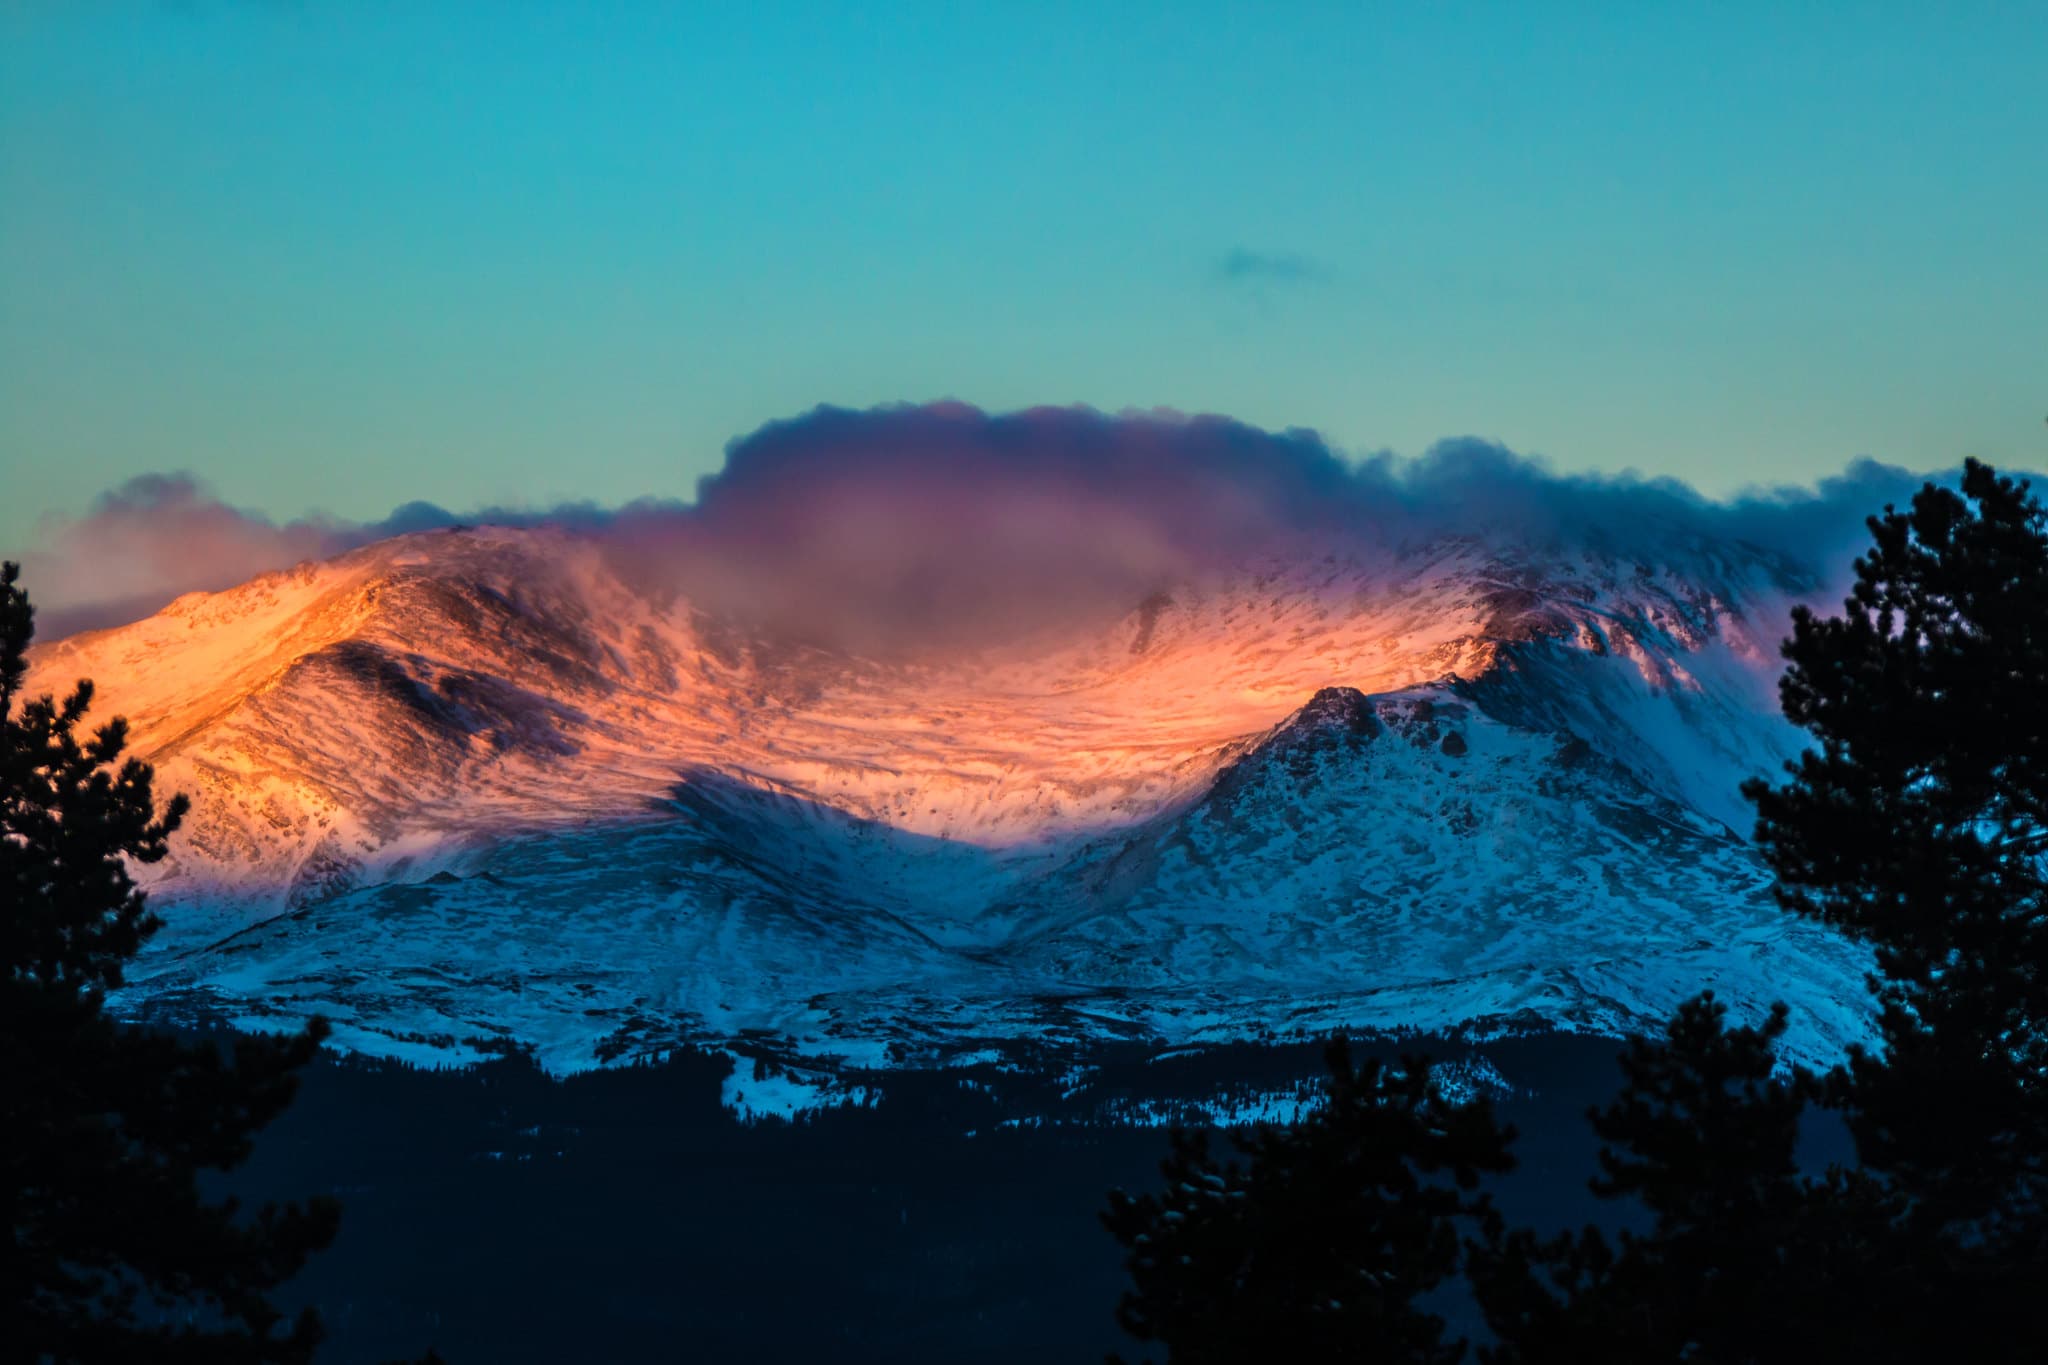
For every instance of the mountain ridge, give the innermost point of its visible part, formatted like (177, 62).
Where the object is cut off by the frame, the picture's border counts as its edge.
(1409, 790)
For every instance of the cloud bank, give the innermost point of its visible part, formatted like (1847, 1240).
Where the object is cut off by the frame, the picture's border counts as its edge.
(900, 527)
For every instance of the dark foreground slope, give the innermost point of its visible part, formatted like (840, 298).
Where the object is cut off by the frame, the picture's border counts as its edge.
(623, 1215)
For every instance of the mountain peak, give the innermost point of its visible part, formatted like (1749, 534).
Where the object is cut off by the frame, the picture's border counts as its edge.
(1343, 709)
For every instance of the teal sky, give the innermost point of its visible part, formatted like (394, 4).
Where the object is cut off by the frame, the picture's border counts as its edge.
(340, 255)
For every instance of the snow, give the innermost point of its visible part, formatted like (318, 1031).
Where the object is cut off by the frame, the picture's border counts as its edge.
(466, 789)
(755, 1090)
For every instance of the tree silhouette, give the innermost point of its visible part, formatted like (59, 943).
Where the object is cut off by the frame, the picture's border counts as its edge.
(1746, 1260)
(1920, 825)
(104, 1130)
(1319, 1244)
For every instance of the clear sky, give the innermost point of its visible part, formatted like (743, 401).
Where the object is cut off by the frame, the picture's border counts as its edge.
(338, 254)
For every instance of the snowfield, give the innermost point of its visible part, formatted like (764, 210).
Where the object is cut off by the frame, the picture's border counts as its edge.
(471, 789)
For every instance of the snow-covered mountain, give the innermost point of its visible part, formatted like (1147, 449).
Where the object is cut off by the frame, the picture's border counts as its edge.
(475, 785)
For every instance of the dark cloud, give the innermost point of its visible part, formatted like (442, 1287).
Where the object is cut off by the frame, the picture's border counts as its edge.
(944, 524)
(910, 525)
(1242, 264)
(904, 527)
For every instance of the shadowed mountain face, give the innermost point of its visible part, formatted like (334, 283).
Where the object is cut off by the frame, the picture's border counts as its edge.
(473, 787)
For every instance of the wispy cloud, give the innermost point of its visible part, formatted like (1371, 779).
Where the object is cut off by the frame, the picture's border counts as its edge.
(1242, 264)
(153, 538)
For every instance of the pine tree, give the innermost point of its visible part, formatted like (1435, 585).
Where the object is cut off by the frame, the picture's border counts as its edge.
(1919, 824)
(1321, 1242)
(1745, 1261)
(104, 1129)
